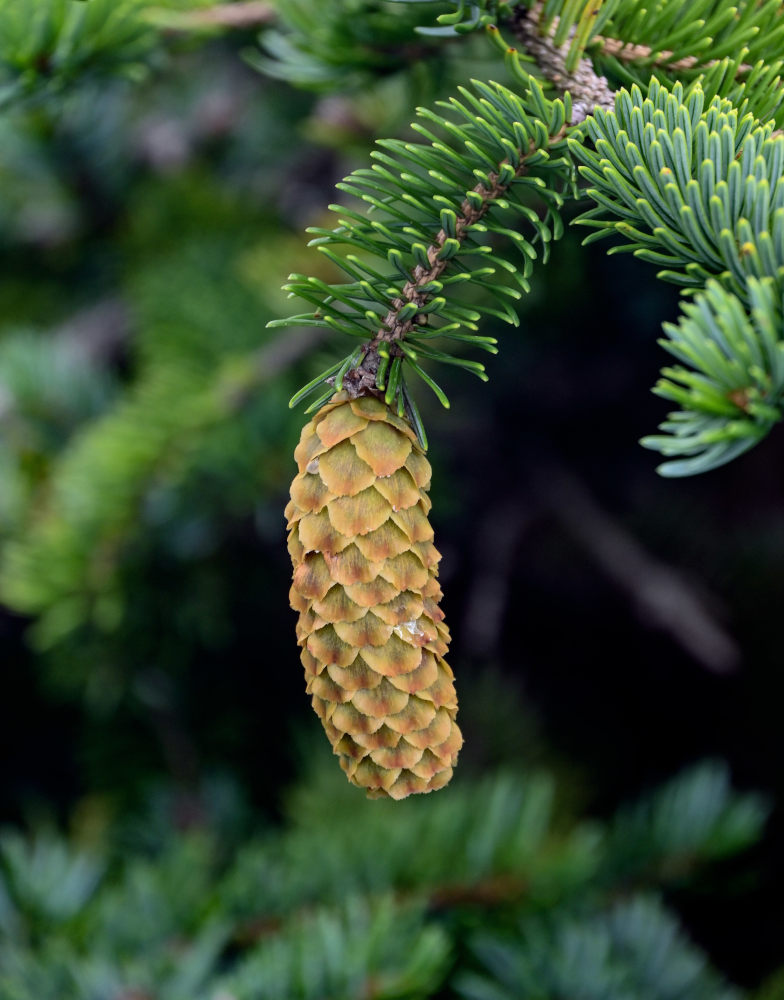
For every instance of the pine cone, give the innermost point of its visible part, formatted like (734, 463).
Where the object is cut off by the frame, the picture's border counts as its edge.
(366, 588)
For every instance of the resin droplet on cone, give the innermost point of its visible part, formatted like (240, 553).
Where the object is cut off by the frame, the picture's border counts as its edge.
(365, 586)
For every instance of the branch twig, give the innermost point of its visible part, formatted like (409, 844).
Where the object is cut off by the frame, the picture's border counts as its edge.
(663, 596)
(585, 82)
(244, 14)
(362, 379)
(629, 52)
(587, 89)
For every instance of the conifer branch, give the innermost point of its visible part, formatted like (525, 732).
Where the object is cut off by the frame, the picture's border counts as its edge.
(342, 45)
(429, 206)
(687, 182)
(630, 52)
(394, 329)
(696, 185)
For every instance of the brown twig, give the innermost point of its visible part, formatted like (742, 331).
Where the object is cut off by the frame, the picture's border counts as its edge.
(526, 23)
(244, 14)
(588, 90)
(629, 52)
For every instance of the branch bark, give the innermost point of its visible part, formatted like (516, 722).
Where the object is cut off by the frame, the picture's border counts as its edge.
(587, 89)
(585, 83)
(629, 52)
(245, 14)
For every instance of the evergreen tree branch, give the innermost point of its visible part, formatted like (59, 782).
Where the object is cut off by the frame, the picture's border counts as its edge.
(399, 322)
(628, 949)
(631, 52)
(430, 206)
(732, 392)
(696, 184)
(688, 182)
(354, 905)
(701, 29)
(666, 836)
(629, 39)
(338, 45)
(45, 46)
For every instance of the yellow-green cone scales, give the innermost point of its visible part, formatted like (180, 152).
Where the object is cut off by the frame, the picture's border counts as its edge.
(366, 589)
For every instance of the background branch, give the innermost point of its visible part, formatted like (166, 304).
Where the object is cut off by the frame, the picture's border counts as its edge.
(664, 597)
(246, 14)
(587, 89)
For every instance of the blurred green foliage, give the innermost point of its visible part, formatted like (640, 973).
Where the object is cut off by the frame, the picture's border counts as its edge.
(482, 892)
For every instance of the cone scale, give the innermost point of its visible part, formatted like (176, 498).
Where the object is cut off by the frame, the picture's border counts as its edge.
(366, 588)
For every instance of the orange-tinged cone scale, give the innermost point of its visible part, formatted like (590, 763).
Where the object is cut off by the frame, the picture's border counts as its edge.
(366, 588)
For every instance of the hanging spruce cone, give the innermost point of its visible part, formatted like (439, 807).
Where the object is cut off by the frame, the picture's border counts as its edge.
(366, 588)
